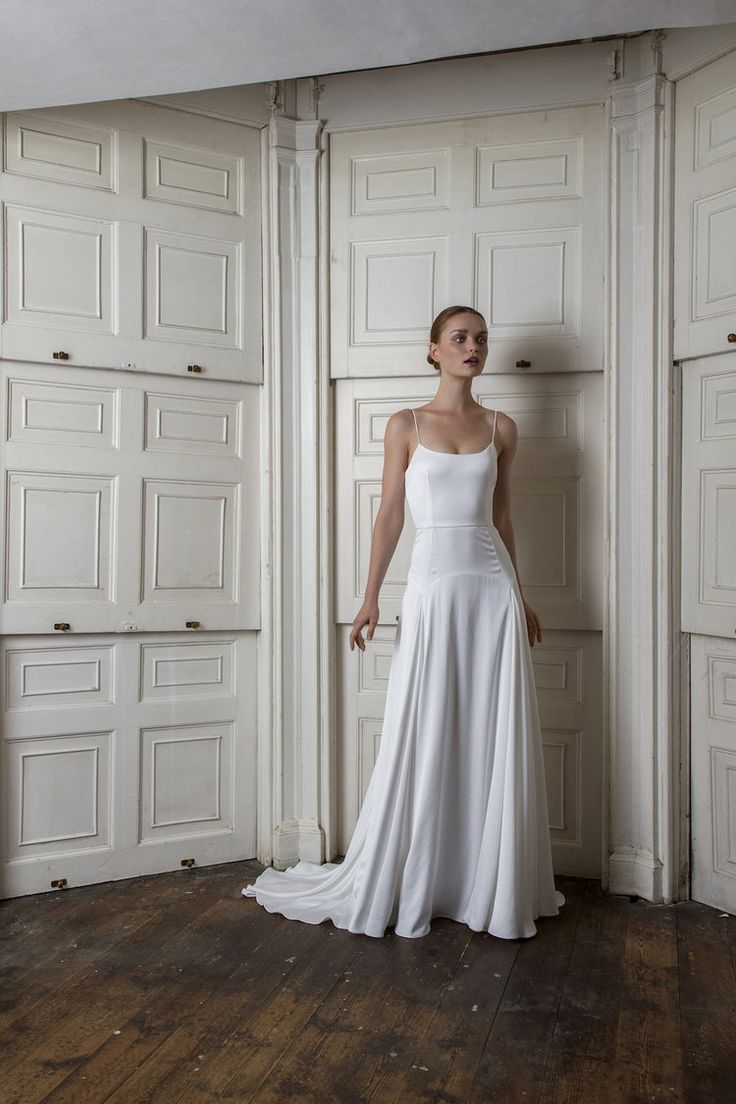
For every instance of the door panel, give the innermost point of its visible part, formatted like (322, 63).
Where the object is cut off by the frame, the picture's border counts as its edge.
(124, 755)
(705, 340)
(709, 496)
(125, 502)
(713, 814)
(709, 613)
(558, 524)
(132, 240)
(705, 210)
(504, 214)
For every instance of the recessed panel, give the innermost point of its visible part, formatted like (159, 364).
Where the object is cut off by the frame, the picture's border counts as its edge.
(53, 149)
(193, 177)
(717, 537)
(562, 768)
(192, 289)
(374, 665)
(546, 520)
(57, 794)
(186, 775)
(172, 671)
(175, 423)
(528, 170)
(61, 414)
(58, 677)
(59, 537)
(369, 743)
(64, 270)
(718, 405)
(715, 129)
(396, 288)
(527, 282)
(558, 674)
(714, 277)
(722, 688)
(189, 540)
(723, 789)
(411, 181)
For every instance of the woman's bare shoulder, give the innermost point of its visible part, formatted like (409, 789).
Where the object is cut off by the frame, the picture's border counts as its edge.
(399, 427)
(507, 434)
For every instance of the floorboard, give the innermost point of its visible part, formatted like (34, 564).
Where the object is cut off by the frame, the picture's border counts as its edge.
(175, 989)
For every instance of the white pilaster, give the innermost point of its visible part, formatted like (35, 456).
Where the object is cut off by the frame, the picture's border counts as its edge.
(295, 406)
(642, 639)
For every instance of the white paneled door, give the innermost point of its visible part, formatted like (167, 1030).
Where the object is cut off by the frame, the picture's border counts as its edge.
(505, 214)
(125, 754)
(705, 342)
(126, 503)
(130, 341)
(132, 240)
(709, 614)
(128, 517)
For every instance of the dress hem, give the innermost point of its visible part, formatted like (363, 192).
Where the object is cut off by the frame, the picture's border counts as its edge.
(291, 915)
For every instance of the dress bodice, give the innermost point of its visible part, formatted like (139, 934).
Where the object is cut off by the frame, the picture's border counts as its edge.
(448, 488)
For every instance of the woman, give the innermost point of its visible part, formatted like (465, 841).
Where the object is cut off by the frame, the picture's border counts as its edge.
(454, 821)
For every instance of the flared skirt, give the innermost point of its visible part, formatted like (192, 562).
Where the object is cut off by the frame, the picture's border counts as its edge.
(454, 821)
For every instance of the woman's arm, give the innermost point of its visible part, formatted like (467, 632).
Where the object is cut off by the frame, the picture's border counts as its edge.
(389, 522)
(502, 510)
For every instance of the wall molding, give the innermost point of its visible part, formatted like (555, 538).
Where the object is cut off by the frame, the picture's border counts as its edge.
(642, 641)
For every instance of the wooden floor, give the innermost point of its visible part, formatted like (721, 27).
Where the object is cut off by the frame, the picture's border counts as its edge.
(176, 988)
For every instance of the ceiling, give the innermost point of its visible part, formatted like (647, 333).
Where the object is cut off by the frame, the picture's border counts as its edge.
(74, 51)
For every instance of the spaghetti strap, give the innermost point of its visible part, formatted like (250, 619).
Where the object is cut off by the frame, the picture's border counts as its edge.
(495, 415)
(416, 426)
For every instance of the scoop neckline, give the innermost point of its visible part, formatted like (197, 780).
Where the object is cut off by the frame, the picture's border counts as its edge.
(438, 452)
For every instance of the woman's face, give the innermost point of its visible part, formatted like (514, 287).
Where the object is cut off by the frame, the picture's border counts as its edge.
(463, 345)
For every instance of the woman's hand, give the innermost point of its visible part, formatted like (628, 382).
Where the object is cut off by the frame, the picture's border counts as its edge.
(533, 626)
(367, 615)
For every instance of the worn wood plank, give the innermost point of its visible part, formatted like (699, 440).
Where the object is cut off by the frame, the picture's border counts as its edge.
(511, 1065)
(587, 1017)
(50, 988)
(371, 1022)
(165, 1037)
(262, 1035)
(648, 1063)
(707, 1003)
(53, 1038)
(23, 919)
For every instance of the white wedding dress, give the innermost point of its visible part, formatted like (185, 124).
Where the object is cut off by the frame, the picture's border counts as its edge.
(454, 822)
